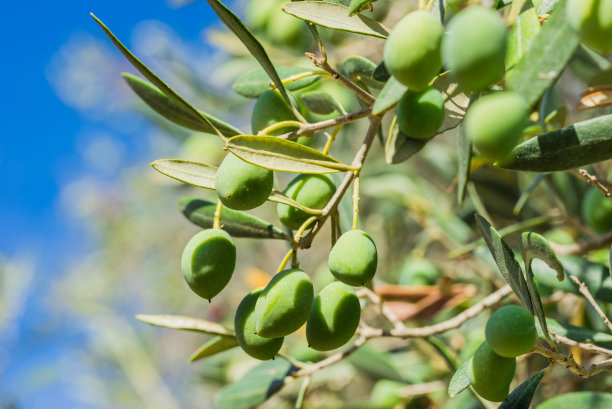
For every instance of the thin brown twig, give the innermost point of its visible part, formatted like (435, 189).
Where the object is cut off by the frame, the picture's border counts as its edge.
(582, 345)
(571, 364)
(587, 294)
(309, 129)
(332, 359)
(592, 180)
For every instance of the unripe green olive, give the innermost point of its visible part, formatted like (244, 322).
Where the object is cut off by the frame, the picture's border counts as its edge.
(597, 210)
(474, 48)
(490, 374)
(420, 114)
(495, 123)
(241, 185)
(208, 262)
(270, 108)
(412, 51)
(593, 21)
(353, 258)
(284, 305)
(244, 324)
(312, 191)
(511, 331)
(334, 317)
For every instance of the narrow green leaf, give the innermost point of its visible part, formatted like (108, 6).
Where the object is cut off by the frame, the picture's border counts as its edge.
(214, 346)
(522, 32)
(375, 364)
(464, 158)
(358, 6)
(254, 83)
(335, 16)
(578, 334)
(174, 111)
(574, 400)
(185, 323)
(380, 73)
(280, 154)
(455, 102)
(255, 48)
(360, 70)
(546, 6)
(321, 102)
(194, 173)
(148, 74)
(506, 261)
(389, 95)
(521, 396)
(549, 53)
(255, 387)
(400, 147)
(576, 145)
(236, 223)
(460, 380)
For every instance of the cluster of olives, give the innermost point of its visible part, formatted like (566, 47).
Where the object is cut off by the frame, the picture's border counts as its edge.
(510, 332)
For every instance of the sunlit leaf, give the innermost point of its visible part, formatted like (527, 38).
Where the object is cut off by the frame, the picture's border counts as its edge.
(578, 334)
(335, 16)
(455, 102)
(522, 32)
(390, 94)
(194, 173)
(185, 323)
(521, 396)
(576, 145)
(279, 154)
(254, 83)
(214, 346)
(236, 223)
(460, 380)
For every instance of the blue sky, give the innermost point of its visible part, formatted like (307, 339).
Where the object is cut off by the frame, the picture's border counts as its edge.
(39, 152)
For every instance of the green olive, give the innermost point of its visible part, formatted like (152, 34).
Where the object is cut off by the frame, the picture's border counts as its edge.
(511, 331)
(597, 210)
(353, 259)
(271, 108)
(244, 324)
(495, 123)
(334, 317)
(474, 48)
(412, 51)
(490, 374)
(284, 305)
(241, 185)
(312, 191)
(420, 114)
(593, 21)
(208, 262)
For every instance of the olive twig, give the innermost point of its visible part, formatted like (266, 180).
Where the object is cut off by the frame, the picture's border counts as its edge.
(356, 202)
(571, 364)
(309, 129)
(592, 180)
(217, 215)
(582, 345)
(587, 294)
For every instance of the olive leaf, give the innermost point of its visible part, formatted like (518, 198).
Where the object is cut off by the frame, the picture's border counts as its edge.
(375, 364)
(185, 323)
(254, 83)
(455, 102)
(522, 32)
(175, 112)
(464, 158)
(585, 399)
(255, 387)
(358, 6)
(380, 73)
(576, 145)
(521, 396)
(279, 154)
(578, 334)
(321, 102)
(399, 147)
(255, 48)
(535, 246)
(214, 346)
(460, 380)
(155, 80)
(335, 16)
(390, 94)
(506, 261)
(236, 223)
(543, 62)
(360, 70)
(194, 173)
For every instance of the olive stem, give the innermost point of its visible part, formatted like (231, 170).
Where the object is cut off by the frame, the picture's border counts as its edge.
(356, 202)
(309, 129)
(334, 227)
(217, 215)
(582, 345)
(298, 237)
(291, 360)
(571, 364)
(302, 393)
(284, 261)
(302, 75)
(587, 294)
(279, 125)
(331, 138)
(315, 34)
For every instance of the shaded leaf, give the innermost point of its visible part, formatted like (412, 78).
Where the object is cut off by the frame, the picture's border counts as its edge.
(521, 396)
(254, 83)
(549, 53)
(194, 173)
(214, 346)
(390, 94)
(321, 102)
(255, 387)
(578, 334)
(506, 261)
(335, 16)
(380, 73)
(176, 112)
(574, 400)
(357, 6)
(400, 147)
(375, 364)
(236, 223)
(148, 74)
(522, 32)
(360, 70)
(576, 145)
(460, 380)
(464, 158)
(255, 48)
(279, 154)
(185, 323)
